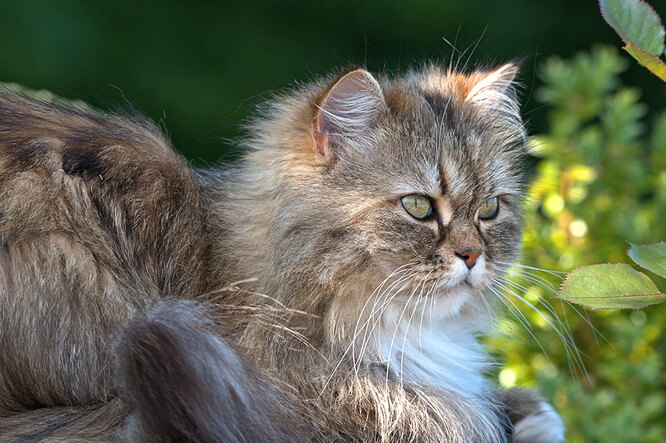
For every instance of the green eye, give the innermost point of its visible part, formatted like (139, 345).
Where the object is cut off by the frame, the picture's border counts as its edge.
(489, 209)
(417, 206)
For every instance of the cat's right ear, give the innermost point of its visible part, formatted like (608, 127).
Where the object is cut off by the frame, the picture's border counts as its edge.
(352, 105)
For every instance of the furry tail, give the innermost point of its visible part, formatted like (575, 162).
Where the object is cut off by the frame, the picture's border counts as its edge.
(99, 423)
(185, 383)
(178, 381)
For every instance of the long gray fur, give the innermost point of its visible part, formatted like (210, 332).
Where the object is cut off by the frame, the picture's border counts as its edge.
(249, 302)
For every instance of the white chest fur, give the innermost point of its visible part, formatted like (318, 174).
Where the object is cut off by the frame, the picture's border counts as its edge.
(425, 347)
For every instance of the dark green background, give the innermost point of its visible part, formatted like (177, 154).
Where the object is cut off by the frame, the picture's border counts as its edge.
(200, 67)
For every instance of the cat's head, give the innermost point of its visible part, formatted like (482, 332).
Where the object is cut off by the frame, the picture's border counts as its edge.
(405, 187)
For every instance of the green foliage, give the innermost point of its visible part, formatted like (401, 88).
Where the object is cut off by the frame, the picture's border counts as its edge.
(618, 286)
(610, 287)
(651, 257)
(650, 61)
(640, 27)
(200, 68)
(601, 182)
(621, 287)
(636, 22)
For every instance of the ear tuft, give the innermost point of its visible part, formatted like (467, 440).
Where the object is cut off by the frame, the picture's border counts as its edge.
(494, 86)
(352, 105)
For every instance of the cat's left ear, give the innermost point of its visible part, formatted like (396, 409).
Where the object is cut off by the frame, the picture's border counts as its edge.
(352, 105)
(495, 88)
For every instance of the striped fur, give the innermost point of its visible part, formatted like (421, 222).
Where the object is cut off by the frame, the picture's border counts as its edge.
(288, 296)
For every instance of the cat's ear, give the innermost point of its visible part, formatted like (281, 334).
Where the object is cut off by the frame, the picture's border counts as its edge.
(352, 105)
(494, 88)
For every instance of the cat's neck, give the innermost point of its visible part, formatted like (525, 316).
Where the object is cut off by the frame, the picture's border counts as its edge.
(430, 340)
(420, 344)
(432, 351)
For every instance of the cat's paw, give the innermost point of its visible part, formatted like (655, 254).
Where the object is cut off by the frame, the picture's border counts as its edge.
(542, 426)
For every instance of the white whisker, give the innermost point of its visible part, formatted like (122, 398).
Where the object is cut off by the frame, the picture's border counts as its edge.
(397, 271)
(565, 329)
(573, 352)
(548, 286)
(357, 332)
(409, 322)
(547, 271)
(402, 313)
(521, 318)
(375, 314)
(431, 294)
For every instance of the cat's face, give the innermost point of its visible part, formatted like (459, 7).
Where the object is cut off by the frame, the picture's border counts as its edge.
(417, 185)
(439, 214)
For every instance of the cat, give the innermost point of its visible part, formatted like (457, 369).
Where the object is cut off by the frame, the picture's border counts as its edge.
(331, 285)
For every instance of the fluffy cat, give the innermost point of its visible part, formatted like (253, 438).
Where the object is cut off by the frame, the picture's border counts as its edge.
(330, 285)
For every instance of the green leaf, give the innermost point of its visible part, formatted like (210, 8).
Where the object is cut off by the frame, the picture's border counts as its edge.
(610, 287)
(636, 23)
(651, 257)
(654, 64)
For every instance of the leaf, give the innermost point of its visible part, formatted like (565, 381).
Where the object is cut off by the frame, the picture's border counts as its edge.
(651, 257)
(610, 287)
(636, 23)
(654, 64)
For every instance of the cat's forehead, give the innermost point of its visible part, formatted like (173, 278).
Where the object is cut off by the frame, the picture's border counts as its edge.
(446, 147)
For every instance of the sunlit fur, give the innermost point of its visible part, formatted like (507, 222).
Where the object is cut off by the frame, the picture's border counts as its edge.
(301, 251)
(398, 311)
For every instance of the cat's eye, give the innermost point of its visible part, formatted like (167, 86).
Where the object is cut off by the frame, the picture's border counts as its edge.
(417, 206)
(489, 209)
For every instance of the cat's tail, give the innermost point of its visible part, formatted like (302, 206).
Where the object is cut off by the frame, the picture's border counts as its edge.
(99, 423)
(178, 381)
(185, 383)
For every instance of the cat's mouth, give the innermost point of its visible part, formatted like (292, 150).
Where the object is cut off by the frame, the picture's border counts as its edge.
(450, 299)
(463, 279)
(463, 286)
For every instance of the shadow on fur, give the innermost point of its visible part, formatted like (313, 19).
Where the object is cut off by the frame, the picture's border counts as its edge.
(191, 385)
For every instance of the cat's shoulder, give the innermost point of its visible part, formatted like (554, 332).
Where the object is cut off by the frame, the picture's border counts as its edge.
(79, 142)
(63, 166)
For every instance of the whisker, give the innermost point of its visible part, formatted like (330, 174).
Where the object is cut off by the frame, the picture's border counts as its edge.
(402, 313)
(546, 285)
(540, 299)
(409, 322)
(586, 319)
(547, 271)
(351, 345)
(565, 328)
(398, 270)
(520, 316)
(491, 313)
(570, 347)
(431, 294)
(376, 314)
(386, 297)
(532, 278)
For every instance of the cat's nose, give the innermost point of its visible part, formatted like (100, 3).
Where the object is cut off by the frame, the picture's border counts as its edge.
(469, 257)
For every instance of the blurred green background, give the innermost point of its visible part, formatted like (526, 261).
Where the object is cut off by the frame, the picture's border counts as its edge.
(201, 67)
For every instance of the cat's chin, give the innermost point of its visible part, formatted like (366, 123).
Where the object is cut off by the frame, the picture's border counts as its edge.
(450, 301)
(463, 288)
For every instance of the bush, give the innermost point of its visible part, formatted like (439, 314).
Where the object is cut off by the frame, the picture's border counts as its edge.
(601, 182)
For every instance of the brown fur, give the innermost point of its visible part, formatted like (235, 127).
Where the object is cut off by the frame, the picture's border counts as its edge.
(92, 211)
(99, 220)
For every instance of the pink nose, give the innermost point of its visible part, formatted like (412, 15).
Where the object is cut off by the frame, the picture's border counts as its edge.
(469, 257)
